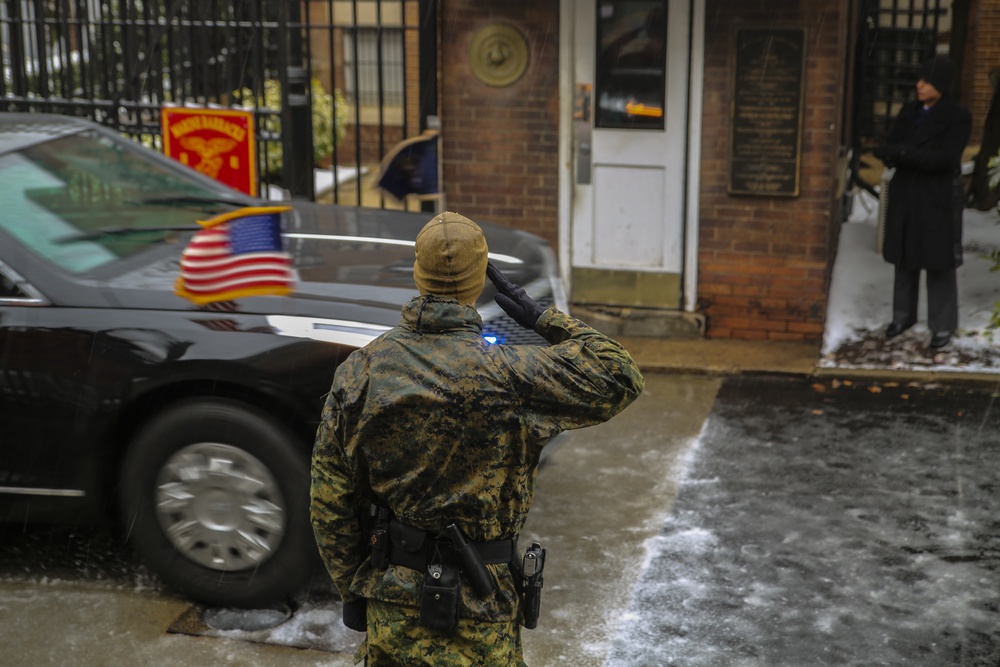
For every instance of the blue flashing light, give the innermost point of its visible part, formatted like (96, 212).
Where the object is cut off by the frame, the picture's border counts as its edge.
(494, 339)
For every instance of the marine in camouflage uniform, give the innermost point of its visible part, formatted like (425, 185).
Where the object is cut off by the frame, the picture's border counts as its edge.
(441, 427)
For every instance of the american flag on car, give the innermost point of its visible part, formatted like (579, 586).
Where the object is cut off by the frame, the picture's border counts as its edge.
(237, 254)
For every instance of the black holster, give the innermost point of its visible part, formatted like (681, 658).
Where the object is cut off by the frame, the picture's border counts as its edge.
(471, 562)
(530, 585)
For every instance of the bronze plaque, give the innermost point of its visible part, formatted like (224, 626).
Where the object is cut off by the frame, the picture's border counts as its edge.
(765, 136)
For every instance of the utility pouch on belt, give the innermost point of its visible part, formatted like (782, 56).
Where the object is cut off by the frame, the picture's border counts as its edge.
(406, 539)
(439, 597)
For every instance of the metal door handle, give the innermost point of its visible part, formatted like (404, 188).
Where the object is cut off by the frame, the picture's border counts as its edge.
(583, 152)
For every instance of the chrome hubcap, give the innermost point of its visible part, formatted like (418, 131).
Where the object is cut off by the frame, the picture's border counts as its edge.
(220, 506)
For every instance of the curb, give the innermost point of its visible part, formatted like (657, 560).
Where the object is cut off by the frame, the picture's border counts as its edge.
(726, 358)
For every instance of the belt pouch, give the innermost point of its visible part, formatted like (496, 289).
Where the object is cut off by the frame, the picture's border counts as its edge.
(407, 538)
(439, 597)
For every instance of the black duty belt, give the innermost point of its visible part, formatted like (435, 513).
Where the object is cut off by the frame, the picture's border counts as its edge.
(416, 549)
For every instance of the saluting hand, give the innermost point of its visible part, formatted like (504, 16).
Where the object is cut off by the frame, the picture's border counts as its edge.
(514, 300)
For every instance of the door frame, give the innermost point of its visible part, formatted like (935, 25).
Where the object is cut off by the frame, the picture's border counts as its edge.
(567, 149)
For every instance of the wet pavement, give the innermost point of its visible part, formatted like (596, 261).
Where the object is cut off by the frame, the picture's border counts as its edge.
(759, 519)
(829, 523)
(76, 596)
(598, 500)
(71, 596)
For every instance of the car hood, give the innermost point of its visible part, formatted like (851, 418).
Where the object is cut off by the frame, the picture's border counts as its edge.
(352, 263)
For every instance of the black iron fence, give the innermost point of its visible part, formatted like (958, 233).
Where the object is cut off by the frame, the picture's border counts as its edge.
(895, 38)
(332, 83)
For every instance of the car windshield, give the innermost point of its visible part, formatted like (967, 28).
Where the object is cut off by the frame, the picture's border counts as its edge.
(57, 197)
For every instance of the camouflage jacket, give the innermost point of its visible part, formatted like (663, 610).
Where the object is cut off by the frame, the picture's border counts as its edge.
(441, 426)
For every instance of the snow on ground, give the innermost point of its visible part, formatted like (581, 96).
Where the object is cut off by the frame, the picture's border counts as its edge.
(852, 532)
(860, 302)
(315, 624)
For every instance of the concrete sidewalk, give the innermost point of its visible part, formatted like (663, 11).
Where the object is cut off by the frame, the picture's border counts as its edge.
(721, 357)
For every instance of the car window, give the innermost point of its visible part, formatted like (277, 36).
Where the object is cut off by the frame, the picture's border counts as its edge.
(10, 289)
(85, 182)
(15, 290)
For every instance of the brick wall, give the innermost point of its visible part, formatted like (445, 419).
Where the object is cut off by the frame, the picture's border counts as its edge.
(500, 145)
(763, 262)
(982, 54)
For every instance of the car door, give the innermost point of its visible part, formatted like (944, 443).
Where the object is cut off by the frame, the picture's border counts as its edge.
(45, 401)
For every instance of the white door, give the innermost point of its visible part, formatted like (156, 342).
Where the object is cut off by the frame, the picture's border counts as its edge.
(630, 75)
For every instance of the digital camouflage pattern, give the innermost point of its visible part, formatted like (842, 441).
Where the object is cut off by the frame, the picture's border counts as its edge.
(442, 427)
(395, 638)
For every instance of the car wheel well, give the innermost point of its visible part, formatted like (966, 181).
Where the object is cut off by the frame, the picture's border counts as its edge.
(149, 405)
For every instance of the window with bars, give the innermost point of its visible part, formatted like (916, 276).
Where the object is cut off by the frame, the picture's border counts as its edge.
(373, 66)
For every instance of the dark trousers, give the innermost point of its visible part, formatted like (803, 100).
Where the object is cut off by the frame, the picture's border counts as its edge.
(942, 298)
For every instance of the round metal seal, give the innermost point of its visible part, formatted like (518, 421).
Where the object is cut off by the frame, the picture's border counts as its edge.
(498, 54)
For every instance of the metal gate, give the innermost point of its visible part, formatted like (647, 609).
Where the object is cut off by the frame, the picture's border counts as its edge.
(894, 38)
(334, 83)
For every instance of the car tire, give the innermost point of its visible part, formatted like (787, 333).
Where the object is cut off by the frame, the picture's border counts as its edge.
(214, 496)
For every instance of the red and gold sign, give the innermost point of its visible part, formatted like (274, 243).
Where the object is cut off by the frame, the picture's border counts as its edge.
(217, 142)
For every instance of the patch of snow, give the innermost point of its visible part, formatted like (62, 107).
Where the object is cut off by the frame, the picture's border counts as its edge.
(323, 182)
(315, 625)
(860, 302)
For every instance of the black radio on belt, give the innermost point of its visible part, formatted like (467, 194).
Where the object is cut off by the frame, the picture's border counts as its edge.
(439, 594)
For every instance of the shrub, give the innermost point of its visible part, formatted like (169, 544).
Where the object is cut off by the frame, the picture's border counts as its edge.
(329, 119)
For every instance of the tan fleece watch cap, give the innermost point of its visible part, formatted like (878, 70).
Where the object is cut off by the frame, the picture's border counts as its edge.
(451, 258)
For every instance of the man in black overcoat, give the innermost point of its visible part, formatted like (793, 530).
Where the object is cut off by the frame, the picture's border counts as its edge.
(923, 228)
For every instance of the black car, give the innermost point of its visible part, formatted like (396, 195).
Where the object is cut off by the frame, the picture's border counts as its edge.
(190, 425)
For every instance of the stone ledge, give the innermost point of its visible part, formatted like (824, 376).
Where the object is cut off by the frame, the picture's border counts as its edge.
(641, 322)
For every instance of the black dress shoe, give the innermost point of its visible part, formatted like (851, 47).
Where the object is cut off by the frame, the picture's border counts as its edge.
(940, 339)
(896, 328)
